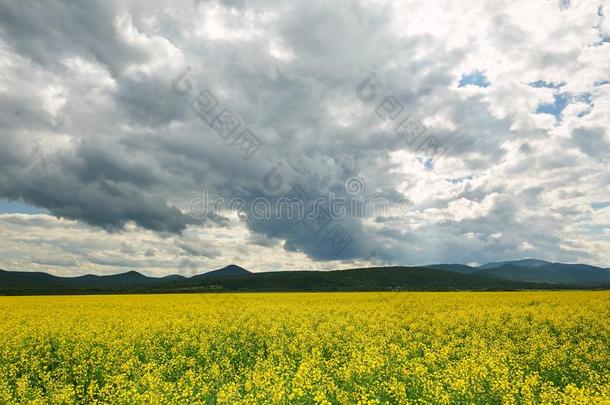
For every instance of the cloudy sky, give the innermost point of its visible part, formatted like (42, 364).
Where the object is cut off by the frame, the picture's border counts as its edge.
(486, 125)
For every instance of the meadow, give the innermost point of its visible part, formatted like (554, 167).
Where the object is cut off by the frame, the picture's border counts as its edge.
(459, 347)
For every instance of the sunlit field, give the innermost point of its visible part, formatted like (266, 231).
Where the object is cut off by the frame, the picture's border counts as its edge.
(523, 347)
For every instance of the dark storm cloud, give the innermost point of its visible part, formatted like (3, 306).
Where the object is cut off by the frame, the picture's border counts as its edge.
(103, 202)
(93, 178)
(48, 31)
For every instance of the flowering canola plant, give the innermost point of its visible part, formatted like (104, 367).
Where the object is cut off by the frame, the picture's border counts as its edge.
(367, 348)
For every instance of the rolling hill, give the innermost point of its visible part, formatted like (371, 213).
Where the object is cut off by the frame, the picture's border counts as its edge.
(234, 278)
(37, 282)
(508, 275)
(231, 270)
(537, 271)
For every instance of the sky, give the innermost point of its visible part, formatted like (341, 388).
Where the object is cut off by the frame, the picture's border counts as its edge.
(483, 128)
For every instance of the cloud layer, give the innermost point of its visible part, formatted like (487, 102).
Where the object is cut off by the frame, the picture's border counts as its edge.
(93, 133)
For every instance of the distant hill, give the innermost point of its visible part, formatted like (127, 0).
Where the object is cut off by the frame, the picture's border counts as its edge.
(456, 268)
(130, 277)
(231, 270)
(537, 271)
(366, 279)
(14, 281)
(528, 263)
(550, 273)
(173, 277)
(442, 277)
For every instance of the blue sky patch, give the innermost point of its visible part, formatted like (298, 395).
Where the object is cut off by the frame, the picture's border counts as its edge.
(545, 84)
(586, 98)
(458, 180)
(476, 78)
(13, 207)
(428, 163)
(560, 103)
(600, 205)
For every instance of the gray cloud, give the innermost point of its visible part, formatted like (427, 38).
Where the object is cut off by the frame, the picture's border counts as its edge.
(91, 130)
(593, 142)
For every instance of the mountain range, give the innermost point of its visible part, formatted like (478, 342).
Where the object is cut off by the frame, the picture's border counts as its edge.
(537, 271)
(510, 275)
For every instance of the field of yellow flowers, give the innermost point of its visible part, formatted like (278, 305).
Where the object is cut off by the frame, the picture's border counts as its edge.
(480, 348)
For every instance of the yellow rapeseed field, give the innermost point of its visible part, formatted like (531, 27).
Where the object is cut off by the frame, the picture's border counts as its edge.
(479, 348)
